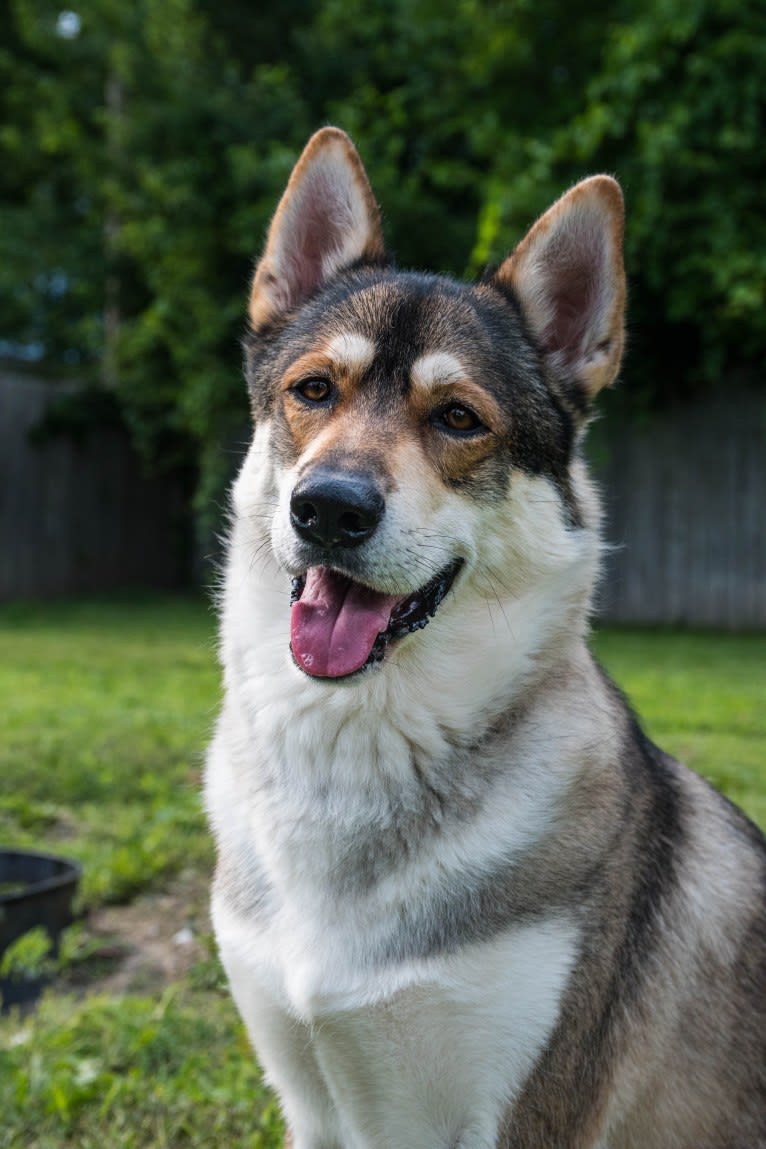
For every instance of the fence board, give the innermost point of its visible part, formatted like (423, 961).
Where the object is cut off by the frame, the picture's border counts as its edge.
(79, 516)
(685, 496)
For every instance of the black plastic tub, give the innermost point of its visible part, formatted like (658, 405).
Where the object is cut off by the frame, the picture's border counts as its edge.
(35, 890)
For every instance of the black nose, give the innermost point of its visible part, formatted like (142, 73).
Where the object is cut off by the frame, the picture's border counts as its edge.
(336, 509)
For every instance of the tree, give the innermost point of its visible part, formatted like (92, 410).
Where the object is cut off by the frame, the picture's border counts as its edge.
(676, 111)
(141, 164)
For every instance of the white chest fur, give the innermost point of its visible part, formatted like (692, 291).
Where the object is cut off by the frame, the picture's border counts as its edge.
(429, 1056)
(368, 1050)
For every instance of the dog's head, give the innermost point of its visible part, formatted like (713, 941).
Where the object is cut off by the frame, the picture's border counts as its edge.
(418, 435)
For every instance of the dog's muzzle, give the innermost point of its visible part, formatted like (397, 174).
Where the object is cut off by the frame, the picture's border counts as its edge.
(339, 625)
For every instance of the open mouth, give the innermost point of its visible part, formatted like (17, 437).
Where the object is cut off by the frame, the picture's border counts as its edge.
(338, 626)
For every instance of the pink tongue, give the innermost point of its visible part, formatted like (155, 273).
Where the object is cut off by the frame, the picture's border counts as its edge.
(334, 624)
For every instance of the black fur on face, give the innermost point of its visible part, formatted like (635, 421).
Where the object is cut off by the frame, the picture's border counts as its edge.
(407, 315)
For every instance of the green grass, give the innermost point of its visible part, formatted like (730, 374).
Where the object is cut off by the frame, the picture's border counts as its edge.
(106, 708)
(702, 697)
(133, 1073)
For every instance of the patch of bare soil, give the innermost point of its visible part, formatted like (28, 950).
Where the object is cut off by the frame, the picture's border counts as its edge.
(141, 947)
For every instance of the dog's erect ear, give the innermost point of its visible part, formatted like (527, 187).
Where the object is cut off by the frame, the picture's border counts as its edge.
(568, 276)
(327, 219)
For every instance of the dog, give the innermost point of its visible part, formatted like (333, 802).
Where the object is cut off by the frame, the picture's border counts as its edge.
(462, 901)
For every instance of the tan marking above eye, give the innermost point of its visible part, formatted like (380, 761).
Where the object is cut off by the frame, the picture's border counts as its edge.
(442, 385)
(351, 351)
(438, 368)
(343, 359)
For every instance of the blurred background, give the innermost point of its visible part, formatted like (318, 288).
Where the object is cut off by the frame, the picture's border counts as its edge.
(143, 147)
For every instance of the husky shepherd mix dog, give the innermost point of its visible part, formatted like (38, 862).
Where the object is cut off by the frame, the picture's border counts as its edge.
(462, 900)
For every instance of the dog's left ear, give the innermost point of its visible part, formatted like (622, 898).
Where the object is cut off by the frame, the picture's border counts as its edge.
(327, 219)
(568, 276)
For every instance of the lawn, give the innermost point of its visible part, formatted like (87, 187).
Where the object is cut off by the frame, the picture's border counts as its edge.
(106, 708)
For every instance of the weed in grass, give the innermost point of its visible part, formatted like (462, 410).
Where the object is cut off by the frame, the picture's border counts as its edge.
(29, 956)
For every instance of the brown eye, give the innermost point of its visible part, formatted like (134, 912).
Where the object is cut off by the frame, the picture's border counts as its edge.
(314, 390)
(462, 420)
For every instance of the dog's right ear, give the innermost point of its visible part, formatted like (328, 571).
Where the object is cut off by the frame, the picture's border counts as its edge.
(327, 219)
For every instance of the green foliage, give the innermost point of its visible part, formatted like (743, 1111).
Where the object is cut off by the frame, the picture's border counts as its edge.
(50, 244)
(434, 96)
(142, 158)
(676, 111)
(153, 159)
(28, 956)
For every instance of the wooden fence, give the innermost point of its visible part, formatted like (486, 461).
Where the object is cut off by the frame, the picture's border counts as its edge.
(79, 515)
(685, 495)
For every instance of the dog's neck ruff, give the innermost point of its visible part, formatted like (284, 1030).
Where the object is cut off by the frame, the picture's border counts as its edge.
(429, 702)
(440, 689)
